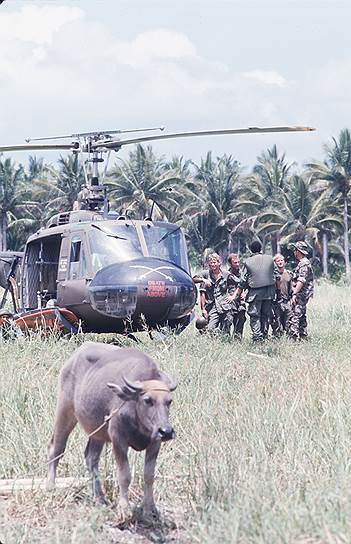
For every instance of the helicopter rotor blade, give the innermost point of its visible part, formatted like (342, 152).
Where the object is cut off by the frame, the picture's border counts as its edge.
(117, 144)
(96, 133)
(38, 147)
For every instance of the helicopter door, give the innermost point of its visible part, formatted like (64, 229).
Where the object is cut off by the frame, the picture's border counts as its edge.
(73, 272)
(40, 270)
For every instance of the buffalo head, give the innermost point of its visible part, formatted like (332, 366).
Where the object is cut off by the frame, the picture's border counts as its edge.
(152, 402)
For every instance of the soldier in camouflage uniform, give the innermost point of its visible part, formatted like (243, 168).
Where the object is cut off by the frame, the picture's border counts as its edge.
(236, 315)
(281, 308)
(260, 278)
(213, 291)
(302, 290)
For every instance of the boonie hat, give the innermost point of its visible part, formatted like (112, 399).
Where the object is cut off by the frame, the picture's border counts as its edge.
(302, 247)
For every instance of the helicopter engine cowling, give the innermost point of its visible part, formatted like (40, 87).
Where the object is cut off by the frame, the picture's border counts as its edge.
(155, 289)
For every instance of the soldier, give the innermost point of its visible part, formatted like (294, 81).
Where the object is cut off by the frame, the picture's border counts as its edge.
(235, 316)
(260, 278)
(213, 291)
(302, 290)
(281, 309)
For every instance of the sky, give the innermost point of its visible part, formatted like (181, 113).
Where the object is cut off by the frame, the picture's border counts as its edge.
(69, 66)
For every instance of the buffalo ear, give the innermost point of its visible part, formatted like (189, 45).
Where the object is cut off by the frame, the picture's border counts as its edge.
(123, 392)
(169, 381)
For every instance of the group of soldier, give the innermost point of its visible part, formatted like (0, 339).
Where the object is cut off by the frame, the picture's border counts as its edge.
(263, 289)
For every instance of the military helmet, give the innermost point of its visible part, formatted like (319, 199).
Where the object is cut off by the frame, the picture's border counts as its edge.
(302, 247)
(201, 322)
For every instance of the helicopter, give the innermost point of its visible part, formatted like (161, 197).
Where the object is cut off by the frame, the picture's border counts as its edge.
(92, 269)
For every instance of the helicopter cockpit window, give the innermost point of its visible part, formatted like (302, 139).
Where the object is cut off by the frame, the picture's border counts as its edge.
(167, 242)
(113, 244)
(75, 250)
(77, 265)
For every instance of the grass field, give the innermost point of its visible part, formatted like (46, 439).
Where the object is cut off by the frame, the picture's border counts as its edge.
(263, 448)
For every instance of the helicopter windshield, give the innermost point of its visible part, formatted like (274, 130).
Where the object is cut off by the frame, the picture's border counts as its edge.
(167, 242)
(113, 244)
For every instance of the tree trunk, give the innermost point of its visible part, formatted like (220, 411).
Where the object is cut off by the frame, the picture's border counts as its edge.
(346, 241)
(325, 254)
(264, 240)
(3, 230)
(230, 242)
(275, 244)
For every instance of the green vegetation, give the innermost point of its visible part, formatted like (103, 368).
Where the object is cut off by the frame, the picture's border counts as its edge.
(220, 205)
(262, 453)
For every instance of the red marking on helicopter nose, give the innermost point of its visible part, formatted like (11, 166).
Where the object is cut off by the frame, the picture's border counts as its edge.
(156, 289)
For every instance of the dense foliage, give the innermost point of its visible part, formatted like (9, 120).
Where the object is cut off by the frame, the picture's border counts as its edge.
(219, 205)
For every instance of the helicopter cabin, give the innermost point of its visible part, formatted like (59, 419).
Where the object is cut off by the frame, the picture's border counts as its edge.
(40, 267)
(61, 259)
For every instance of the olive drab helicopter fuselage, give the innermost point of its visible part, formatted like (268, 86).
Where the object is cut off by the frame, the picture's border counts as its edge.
(114, 274)
(106, 271)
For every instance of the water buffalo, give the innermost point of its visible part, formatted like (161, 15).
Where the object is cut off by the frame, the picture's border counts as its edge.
(101, 379)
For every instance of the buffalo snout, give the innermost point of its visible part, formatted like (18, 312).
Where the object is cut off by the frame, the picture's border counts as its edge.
(166, 433)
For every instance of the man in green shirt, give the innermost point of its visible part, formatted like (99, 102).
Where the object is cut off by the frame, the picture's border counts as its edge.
(281, 308)
(213, 291)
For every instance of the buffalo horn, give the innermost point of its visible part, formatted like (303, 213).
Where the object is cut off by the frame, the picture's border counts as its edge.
(134, 386)
(168, 380)
(172, 384)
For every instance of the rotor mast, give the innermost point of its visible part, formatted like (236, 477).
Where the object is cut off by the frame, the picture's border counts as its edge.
(93, 196)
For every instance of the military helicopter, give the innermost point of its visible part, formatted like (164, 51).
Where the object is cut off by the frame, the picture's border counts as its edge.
(95, 270)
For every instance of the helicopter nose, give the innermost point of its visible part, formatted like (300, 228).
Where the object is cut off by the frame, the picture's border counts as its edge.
(155, 288)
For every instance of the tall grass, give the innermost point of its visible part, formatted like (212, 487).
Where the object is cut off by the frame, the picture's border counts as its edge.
(263, 444)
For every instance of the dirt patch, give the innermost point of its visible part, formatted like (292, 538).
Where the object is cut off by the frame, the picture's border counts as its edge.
(54, 518)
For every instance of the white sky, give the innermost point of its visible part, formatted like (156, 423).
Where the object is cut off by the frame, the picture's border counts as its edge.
(76, 65)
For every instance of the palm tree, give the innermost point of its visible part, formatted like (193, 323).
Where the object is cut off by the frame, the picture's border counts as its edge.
(187, 198)
(36, 169)
(300, 213)
(218, 188)
(145, 184)
(35, 198)
(65, 183)
(270, 176)
(335, 173)
(11, 180)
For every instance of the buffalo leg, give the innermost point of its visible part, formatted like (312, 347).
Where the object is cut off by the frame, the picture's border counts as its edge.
(124, 476)
(64, 424)
(92, 456)
(149, 475)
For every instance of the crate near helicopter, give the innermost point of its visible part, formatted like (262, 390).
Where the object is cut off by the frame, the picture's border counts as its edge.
(93, 269)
